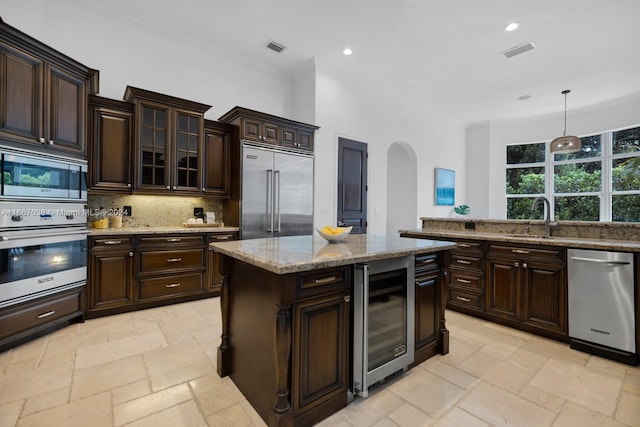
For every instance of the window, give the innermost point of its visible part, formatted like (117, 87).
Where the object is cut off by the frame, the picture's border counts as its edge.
(599, 183)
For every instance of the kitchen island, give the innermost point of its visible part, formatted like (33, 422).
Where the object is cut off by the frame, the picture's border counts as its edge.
(287, 318)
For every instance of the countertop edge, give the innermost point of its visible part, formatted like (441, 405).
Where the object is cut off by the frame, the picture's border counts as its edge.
(298, 267)
(568, 242)
(159, 230)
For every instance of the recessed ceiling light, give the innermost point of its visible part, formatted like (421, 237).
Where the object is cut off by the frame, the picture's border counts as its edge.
(347, 51)
(524, 97)
(511, 26)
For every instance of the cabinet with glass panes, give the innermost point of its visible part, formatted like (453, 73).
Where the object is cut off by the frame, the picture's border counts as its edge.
(169, 138)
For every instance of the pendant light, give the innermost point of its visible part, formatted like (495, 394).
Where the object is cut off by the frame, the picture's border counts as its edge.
(565, 144)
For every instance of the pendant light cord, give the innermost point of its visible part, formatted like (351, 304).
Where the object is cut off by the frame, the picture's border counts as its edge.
(565, 92)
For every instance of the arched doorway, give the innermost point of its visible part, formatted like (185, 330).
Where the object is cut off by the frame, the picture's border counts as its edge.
(402, 188)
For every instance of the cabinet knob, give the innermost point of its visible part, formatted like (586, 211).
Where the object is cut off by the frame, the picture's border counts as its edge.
(524, 265)
(516, 264)
(41, 140)
(175, 187)
(51, 142)
(131, 253)
(128, 185)
(168, 187)
(347, 298)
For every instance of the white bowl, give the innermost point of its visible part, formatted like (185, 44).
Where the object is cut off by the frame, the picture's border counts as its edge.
(335, 238)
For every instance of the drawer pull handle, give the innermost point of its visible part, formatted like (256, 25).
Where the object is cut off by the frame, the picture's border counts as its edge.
(222, 237)
(172, 285)
(463, 299)
(463, 261)
(324, 280)
(520, 251)
(112, 242)
(428, 261)
(425, 283)
(174, 240)
(174, 259)
(464, 245)
(459, 280)
(47, 314)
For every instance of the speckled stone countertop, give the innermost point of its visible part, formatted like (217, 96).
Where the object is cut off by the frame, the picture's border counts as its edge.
(519, 238)
(159, 230)
(282, 255)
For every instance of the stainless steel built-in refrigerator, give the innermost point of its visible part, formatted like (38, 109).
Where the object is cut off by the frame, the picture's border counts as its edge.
(277, 193)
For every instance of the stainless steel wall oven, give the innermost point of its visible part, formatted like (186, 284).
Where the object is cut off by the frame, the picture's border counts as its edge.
(42, 249)
(383, 323)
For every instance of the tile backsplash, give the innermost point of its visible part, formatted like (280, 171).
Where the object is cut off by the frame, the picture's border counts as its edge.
(154, 211)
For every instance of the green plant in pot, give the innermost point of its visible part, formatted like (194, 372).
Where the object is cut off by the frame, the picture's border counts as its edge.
(462, 210)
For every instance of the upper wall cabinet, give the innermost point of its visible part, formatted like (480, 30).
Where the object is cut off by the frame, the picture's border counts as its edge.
(169, 137)
(218, 140)
(267, 129)
(44, 96)
(110, 145)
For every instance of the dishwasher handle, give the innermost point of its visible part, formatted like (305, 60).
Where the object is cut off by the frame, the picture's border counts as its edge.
(600, 261)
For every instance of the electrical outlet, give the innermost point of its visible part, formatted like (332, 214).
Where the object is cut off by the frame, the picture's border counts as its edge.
(126, 211)
(198, 212)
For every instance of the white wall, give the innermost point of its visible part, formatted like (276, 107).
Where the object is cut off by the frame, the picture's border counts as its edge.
(345, 108)
(486, 171)
(402, 179)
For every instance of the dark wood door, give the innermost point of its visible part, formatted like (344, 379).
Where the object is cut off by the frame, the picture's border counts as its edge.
(426, 309)
(21, 88)
(352, 185)
(153, 129)
(65, 115)
(111, 135)
(187, 149)
(321, 350)
(111, 282)
(544, 296)
(217, 159)
(503, 292)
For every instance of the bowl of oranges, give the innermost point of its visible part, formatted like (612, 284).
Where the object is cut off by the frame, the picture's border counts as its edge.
(334, 234)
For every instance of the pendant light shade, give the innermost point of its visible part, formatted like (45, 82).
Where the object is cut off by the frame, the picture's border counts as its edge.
(565, 144)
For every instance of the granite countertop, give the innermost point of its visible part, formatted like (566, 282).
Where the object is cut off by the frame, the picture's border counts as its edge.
(282, 255)
(567, 242)
(159, 230)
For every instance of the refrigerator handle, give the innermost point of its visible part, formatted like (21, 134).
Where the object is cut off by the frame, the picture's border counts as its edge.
(270, 200)
(276, 196)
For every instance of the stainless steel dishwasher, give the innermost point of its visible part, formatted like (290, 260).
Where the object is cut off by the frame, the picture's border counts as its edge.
(601, 304)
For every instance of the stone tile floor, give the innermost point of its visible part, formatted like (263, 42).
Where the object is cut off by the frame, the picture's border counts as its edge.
(157, 367)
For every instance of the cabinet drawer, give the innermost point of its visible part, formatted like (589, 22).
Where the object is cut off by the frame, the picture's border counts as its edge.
(170, 260)
(539, 252)
(323, 281)
(172, 240)
(468, 247)
(467, 300)
(170, 286)
(111, 241)
(32, 314)
(458, 279)
(221, 237)
(426, 263)
(466, 262)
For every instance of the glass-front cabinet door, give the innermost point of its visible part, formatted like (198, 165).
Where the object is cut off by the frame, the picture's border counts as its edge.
(187, 152)
(154, 131)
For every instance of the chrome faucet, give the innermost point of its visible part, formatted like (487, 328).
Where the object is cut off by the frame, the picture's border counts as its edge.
(547, 219)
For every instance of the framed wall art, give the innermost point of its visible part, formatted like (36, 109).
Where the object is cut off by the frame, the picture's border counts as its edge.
(445, 183)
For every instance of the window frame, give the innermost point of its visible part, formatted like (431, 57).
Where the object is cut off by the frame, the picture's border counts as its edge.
(606, 159)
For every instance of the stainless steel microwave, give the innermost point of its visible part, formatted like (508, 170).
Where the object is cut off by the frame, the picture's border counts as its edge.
(30, 176)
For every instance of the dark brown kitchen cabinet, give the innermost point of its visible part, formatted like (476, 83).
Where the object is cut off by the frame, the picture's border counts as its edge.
(428, 307)
(218, 140)
(44, 95)
(110, 268)
(528, 286)
(133, 272)
(465, 268)
(215, 261)
(321, 351)
(22, 322)
(169, 137)
(110, 145)
(268, 129)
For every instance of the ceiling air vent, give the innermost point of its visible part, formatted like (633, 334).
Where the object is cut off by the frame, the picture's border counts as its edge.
(275, 46)
(519, 49)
